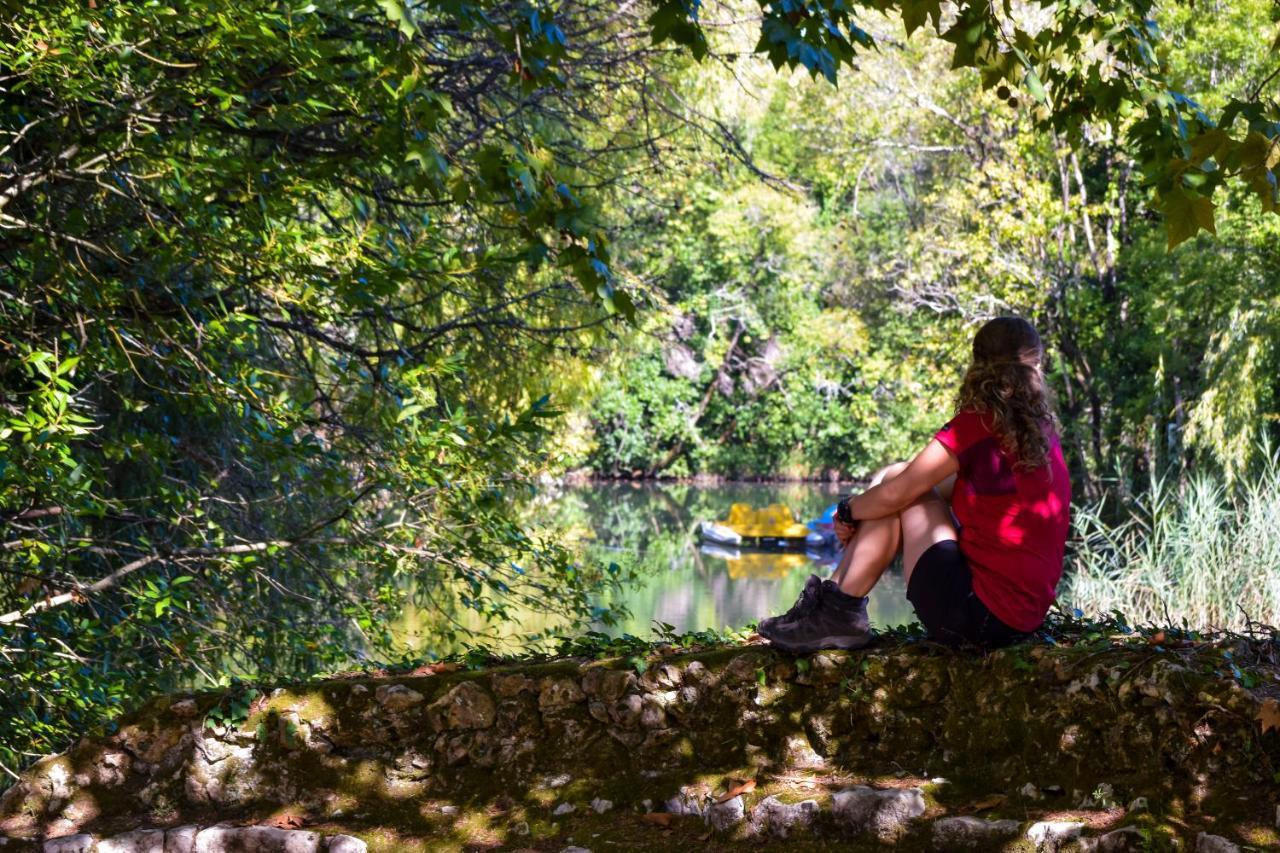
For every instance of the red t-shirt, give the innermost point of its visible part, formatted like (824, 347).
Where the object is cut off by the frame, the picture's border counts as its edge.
(1013, 521)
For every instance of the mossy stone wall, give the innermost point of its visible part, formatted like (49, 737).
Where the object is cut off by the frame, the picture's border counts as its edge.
(1156, 723)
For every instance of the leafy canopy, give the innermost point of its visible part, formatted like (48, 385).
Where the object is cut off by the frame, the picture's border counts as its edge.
(1081, 66)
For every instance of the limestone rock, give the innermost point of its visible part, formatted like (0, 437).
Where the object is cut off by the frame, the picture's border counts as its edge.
(1126, 839)
(722, 816)
(180, 839)
(83, 808)
(397, 697)
(466, 706)
(798, 752)
(69, 844)
(743, 667)
(685, 803)
(600, 806)
(256, 839)
(573, 849)
(346, 844)
(972, 833)
(662, 677)
(138, 841)
(824, 668)
(686, 701)
(626, 711)
(220, 772)
(681, 362)
(184, 708)
(771, 816)
(1206, 843)
(563, 809)
(508, 686)
(699, 719)
(651, 714)
(884, 814)
(559, 693)
(608, 685)
(759, 374)
(665, 699)
(1048, 835)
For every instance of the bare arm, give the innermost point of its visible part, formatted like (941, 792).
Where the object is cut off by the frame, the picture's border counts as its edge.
(929, 468)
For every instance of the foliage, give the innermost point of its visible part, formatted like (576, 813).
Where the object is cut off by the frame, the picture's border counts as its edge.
(749, 370)
(281, 286)
(1082, 68)
(284, 287)
(911, 204)
(1193, 553)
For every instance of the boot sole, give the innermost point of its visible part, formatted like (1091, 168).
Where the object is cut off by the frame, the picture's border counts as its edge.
(838, 642)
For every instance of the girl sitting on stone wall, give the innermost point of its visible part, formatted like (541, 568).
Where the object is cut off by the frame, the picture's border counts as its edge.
(980, 516)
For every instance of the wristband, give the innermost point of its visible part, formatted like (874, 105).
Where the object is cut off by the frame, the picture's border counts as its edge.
(843, 514)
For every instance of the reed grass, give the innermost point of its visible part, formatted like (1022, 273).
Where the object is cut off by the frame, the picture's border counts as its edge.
(1191, 551)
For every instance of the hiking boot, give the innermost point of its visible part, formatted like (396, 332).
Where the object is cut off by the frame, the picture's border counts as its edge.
(837, 621)
(804, 604)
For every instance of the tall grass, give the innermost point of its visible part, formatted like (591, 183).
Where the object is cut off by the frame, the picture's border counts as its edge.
(1194, 551)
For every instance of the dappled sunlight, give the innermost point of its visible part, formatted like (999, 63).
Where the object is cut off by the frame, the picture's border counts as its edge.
(377, 342)
(1193, 556)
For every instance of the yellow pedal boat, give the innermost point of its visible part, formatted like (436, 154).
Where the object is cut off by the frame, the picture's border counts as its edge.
(774, 526)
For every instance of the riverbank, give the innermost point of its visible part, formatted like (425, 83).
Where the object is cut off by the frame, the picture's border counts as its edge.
(1046, 745)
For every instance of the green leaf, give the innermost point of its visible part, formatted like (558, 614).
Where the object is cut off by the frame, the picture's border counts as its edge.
(1185, 215)
(409, 411)
(1035, 88)
(916, 12)
(399, 15)
(1207, 144)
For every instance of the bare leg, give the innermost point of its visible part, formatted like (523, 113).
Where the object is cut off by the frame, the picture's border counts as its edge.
(868, 554)
(923, 523)
(926, 522)
(872, 548)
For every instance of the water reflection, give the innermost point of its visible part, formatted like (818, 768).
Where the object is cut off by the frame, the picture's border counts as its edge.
(654, 528)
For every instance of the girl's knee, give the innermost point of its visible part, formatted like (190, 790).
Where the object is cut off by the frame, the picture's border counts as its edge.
(888, 472)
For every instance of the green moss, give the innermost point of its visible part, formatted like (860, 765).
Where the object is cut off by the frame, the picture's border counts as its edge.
(874, 714)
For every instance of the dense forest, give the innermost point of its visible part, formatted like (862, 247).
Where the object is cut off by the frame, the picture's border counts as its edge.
(300, 302)
(819, 289)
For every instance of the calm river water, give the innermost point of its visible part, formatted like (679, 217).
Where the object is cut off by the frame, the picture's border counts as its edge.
(655, 528)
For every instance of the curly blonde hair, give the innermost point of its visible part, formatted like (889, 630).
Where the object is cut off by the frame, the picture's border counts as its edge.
(1004, 381)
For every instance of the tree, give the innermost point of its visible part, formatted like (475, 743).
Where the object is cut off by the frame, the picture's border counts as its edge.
(1078, 66)
(279, 286)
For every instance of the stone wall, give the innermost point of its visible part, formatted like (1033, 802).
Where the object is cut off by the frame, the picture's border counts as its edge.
(1134, 721)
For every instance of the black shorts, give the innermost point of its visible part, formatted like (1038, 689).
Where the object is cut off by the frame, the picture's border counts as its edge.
(941, 591)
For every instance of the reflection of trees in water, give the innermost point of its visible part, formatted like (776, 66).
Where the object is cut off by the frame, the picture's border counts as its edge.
(632, 514)
(653, 529)
(734, 602)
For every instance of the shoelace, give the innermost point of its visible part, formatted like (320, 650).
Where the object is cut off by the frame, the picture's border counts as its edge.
(806, 604)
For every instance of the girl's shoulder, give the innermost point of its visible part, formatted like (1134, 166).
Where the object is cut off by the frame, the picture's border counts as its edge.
(966, 428)
(972, 419)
